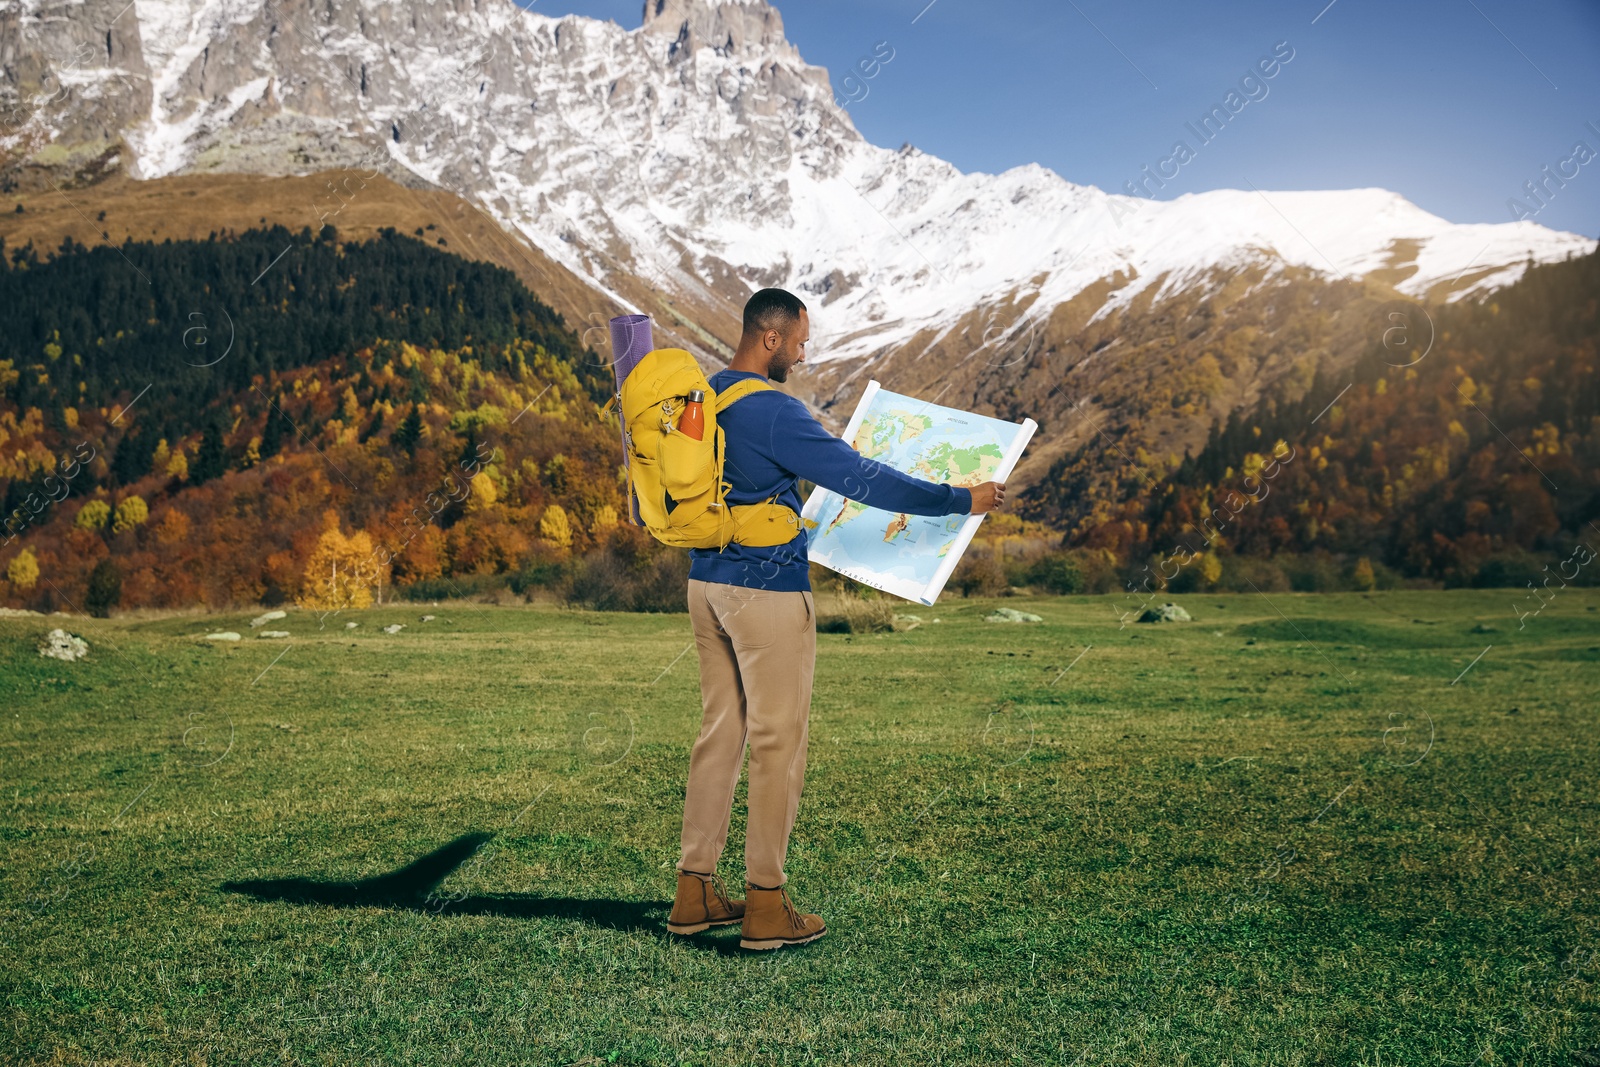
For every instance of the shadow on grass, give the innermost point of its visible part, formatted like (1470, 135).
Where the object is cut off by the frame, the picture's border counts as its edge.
(411, 888)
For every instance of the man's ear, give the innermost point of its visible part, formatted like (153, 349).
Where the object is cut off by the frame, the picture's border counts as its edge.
(773, 340)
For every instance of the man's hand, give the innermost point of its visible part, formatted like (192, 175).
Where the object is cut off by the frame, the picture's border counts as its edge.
(987, 497)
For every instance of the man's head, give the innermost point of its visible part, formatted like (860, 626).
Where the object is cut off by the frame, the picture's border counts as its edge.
(776, 329)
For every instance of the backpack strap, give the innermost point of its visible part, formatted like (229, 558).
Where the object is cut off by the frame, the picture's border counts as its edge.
(739, 390)
(744, 514)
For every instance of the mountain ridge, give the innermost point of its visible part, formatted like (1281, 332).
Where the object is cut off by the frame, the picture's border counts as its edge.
(887, 238)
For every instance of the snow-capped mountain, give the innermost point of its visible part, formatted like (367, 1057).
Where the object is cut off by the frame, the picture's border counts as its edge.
(698, 154)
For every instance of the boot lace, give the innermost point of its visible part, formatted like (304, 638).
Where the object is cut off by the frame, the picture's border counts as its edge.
(721, 892)
(795, 921)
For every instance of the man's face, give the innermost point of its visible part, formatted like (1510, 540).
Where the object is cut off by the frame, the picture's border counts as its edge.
(784, 351)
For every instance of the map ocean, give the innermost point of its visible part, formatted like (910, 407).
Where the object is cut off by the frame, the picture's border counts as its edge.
(911, 556)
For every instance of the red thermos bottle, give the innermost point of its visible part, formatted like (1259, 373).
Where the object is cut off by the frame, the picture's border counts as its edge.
(693, 421)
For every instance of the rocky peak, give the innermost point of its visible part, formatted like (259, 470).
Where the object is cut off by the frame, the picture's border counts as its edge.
(729, 27)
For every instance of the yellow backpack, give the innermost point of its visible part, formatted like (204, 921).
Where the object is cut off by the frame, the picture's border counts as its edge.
(665, 465)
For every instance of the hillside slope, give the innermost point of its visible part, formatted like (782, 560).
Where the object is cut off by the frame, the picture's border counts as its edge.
(372, 413)
(191, 206)
(1465, 450)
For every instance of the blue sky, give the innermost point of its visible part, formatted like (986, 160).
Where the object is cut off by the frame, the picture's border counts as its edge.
(1454, 104)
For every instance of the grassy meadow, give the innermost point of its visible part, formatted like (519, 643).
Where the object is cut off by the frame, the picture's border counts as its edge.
(1310, 829)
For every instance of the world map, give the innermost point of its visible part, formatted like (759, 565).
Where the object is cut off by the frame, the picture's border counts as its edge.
(911, 556)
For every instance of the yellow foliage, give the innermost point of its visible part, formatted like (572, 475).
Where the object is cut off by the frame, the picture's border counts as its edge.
(93, 516)
(491, 415)
(555, 527)
(605, 517)
(483, 493)
(23, 570)
(71, 417)
(178, 466)
(341, 573)
(130, 513)
(159, 458)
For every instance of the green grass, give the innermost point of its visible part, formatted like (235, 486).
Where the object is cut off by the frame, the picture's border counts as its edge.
(1304, 831)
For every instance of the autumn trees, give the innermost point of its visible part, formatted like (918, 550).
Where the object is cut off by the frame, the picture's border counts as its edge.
(444, 441)
(1456, 466)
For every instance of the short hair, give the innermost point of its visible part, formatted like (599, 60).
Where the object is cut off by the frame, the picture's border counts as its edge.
(772, 309)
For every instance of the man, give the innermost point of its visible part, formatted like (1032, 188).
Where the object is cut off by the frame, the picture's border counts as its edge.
(755, 627)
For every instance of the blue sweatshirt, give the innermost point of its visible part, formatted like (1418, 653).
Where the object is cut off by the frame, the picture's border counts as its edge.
(773, 442)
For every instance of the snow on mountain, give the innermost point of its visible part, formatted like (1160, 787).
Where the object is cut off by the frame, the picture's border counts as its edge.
(700, 154)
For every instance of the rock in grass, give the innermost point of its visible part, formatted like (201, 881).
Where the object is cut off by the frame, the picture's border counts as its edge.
(271, 616)
(351, 625)
(427, 618)
(1165, 613)
(1011, 615)
(274, 633)
(58, 644)
(396, 628)
(224, 635)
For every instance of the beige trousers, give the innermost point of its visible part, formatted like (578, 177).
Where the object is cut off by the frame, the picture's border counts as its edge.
(758, 648)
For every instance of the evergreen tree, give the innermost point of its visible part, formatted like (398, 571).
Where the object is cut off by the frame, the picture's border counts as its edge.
(131, 461)
(272, 431)
(211, 461)
(105, 588)
(409, 432)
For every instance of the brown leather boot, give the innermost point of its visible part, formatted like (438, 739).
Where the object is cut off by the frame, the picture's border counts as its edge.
(771, 920)
(701, 903)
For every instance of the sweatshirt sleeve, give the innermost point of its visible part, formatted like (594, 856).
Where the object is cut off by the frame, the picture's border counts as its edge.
(801, 445)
